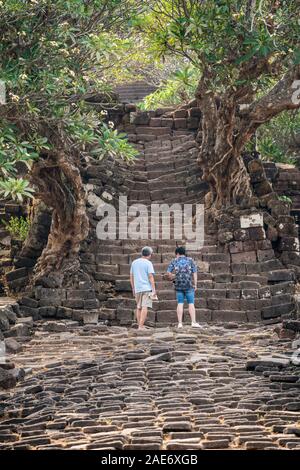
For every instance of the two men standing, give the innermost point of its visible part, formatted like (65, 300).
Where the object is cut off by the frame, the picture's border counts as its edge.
(182, 271)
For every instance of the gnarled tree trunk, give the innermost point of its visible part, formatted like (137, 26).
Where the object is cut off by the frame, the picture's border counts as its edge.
(220, 158)
(228, 123)
(60, 187)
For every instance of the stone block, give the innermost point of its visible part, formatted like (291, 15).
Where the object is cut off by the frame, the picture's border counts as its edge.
(235, 247)
(46, 312)
(249, 294)
(214, 304)
(244, 257)
(253, 316)
(7, 379)
(180, 123)
(33, 312)
(73, 303)
(156, 122)
(257, 233)
(230, 304)
(289, 244)
(166, 316)
(281, 275)
(229, 315)
(281, 299)
(241, 235)
(91, 318)
(219, 267)
(233, 293)
(47, 293)
(238, 268)
(180, 113)
(140, 119)
(91, 304)
(123, 286)
(29, 302)
(12, 346)
(277, 310)
(80, 294)
(51, 302)
(264, 255)
(203, 315)
(16, 274)
(167, 122)
(64, 312)
(223, 278)
(248, 304)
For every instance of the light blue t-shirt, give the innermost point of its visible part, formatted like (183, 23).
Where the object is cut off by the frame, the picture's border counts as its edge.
(141, 268)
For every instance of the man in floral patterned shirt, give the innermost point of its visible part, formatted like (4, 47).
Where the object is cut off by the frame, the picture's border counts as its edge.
(183, 271)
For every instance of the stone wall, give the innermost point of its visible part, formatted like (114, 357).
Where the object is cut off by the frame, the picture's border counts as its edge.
(9, 247)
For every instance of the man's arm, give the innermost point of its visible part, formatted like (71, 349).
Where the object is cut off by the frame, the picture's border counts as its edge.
(152, 282)
(132, 283)
(195, 279)
(194, 271)
(151, 273)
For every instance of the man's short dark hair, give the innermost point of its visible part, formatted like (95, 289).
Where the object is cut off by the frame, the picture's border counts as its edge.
(180, 250)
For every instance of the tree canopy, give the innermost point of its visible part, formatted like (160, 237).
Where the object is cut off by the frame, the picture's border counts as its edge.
(53, 54)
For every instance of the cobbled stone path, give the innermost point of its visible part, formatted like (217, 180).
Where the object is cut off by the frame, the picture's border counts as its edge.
(98, 387)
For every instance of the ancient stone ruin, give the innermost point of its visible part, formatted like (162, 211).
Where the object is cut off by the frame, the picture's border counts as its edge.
(87, 379)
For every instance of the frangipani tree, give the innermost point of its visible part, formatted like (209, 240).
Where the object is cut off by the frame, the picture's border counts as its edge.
(51, 59)
(248, 56)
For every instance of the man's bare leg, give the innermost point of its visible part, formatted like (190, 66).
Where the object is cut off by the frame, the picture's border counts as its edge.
(192, 313)
(143, 317)
(180, 313)
(138, 315)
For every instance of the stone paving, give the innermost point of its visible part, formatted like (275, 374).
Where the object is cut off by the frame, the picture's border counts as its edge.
(98, 387)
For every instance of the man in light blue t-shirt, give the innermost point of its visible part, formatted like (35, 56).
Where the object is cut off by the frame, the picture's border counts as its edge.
(143, 285)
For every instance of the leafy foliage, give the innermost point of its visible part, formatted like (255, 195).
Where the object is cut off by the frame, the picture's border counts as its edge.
(52, 56)
(226, 40)
(179, 88)
(114, 143)
(16, 189)
(279, 139)
(285, 199)
(18, 227)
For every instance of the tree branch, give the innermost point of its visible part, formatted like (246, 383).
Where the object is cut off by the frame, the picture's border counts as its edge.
(285, 95)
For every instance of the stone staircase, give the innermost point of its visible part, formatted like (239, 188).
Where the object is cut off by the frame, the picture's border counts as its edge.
(134, 92)
(240, 281)
(231, 287)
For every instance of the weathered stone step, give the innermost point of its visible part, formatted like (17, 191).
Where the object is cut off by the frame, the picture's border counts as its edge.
(281, 275)
(169, 317)
(164, 257)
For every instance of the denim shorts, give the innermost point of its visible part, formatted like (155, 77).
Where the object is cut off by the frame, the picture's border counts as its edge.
(189, 295)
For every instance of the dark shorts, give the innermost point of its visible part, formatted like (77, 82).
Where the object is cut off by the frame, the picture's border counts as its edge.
(189, 295)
